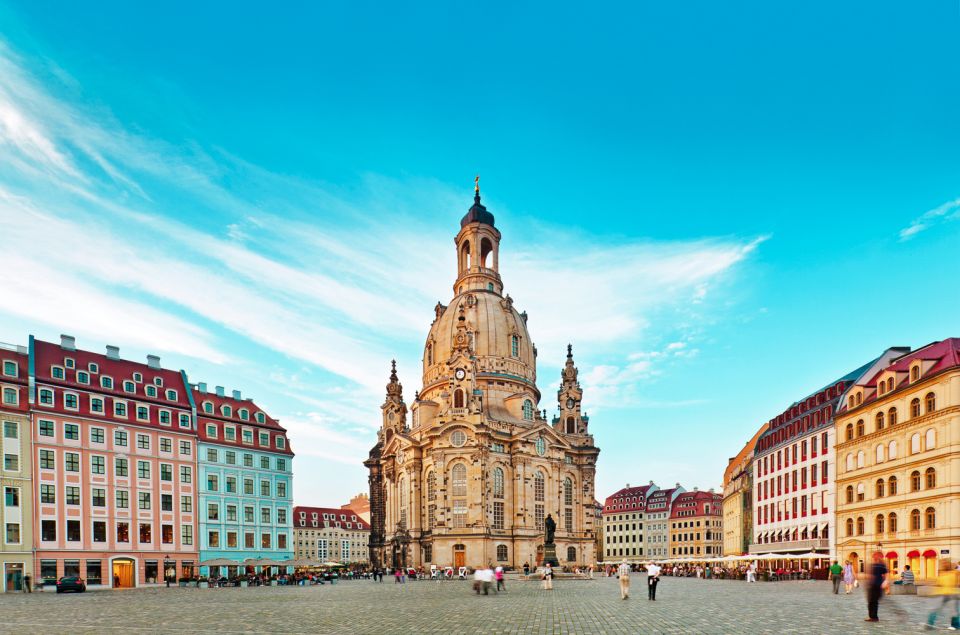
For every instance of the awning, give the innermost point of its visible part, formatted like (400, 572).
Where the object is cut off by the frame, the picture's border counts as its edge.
(929, 553)
(913, 554)
(891, 555)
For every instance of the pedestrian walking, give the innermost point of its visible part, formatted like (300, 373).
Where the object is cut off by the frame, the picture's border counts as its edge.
(876, 584)
(624, 574)
(653, 579)
(752, 572)
(26, 584)
(548, 578)
(836, 574)
(948, 589)
(849, 577)
(498, 574)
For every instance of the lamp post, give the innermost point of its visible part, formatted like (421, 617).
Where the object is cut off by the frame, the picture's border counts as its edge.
(167, 562)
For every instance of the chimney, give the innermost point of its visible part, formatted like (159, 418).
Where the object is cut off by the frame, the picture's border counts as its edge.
(236, 395)
(711, 490)
(628, 485)
(696, 489)
(678, 484)
(153, 362)
(202, 386)
(651, 482)
(113, 352)
(68, 342)
(219, 390)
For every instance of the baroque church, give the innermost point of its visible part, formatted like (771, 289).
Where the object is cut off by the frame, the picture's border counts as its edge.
(468, 473)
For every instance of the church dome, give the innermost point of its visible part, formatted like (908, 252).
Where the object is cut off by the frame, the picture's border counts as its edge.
(500, 342)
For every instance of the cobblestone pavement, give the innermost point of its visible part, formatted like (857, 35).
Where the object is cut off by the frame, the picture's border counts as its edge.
(362, 606)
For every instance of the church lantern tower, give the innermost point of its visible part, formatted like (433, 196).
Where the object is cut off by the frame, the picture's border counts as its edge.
(570, 396)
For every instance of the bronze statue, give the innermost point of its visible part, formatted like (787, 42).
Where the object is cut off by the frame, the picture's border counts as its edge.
(551, 526)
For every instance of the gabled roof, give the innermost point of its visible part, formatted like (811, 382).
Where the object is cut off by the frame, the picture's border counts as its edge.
(628, 499)
(944, 354)
(334, 516)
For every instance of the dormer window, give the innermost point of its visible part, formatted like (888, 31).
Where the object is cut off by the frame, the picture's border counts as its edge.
(93, 368)
(106, 382)
(129, 386)
(226, 410)
(56, 372)
(244, 414)
(158, 381)
(208, 407)
(915, 372)
(10, 369)
(171, 395)
(83, 377)
(69, 363)
(138, 377)
(261, 418)
(280, 443)
(151, 391)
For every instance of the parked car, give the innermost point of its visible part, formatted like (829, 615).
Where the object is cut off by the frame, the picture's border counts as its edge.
(72, 583)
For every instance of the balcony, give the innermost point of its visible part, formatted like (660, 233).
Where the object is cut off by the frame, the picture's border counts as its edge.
(802, 546)
(458, 412)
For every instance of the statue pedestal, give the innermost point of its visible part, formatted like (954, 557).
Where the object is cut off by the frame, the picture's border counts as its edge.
(550, 555)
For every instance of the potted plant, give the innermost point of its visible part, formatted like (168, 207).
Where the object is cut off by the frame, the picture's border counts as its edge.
(203, 582)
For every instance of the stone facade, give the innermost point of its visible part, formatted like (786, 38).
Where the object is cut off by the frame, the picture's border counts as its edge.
(328, 534)
(738, 499)
(898, 461)
(469, 472)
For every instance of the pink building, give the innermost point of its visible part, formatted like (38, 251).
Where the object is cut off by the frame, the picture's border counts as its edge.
(114, 462)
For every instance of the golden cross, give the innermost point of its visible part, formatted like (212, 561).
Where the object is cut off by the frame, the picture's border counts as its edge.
(476, 183)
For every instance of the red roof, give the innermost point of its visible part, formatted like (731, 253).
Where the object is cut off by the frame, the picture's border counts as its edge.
(18, 381)
(138, 376)
(628, 499)
(303, 517)
(218, 418)
(944, 354)
(691, 504)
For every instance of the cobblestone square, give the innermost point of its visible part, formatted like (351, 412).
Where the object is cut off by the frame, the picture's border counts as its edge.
(361, 606)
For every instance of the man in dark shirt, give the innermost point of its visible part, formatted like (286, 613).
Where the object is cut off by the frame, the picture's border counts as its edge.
(876, 583)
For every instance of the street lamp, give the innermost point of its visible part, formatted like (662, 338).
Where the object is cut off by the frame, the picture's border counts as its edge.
(167, 563)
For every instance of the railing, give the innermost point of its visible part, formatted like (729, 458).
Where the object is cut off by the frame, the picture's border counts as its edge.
(458, 412)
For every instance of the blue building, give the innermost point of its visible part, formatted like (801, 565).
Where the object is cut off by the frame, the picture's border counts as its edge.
(245, 481)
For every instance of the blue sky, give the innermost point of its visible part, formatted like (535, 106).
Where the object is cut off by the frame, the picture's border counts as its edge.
(723, 206)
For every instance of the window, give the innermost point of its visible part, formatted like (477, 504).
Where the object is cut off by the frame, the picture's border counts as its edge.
(849, 432)
(213, 511)
(164, 417)
(892, 417)
(860, 526)
(860, 493)
(185, 474)
(915, 407)
(879, 523)
(120, 408)
(123, 532)
(538, 486)
(208, 407)
(9, 368)
(71, 431)
(186, 534)
(915, 443)
(96, 435)
(229, 433)
(879, 420)
(11, 497)
(11, 462)
(226, 411)
(459, 474)
(861, 459)
(915, 520)
(281, 463)
(48, 494)
(261, 418)
(83, 377)
(184, 420)
(860, 427)
(106, 382)
(212, 485)
(281, 490)
(143, 441)
(879, 453)
(143, 469)
(498, 482)
(931, 439)
(143, 500)
(280, 442)
(282, 517)
(10, 396)
(248, 514)
(264, 462)
(120, 438)
(72, 496)
(150, 391)
(248, 486)
(56, 372)
(211, 431)
(166, 472)
(98, 465)
(515, 346)
(46, 397)
(528, 410)
(46, 428)
(459, 513)
(70, 401)
(123, 499)
(892, 523)
(931, 402)
(129, 386)
(213, 539)
(264, 488)
(930, 476)
(166, 445)
(931, 518)
(48, 530)
(71, 461)
(211, 455)
(186, 504)
(99, 535)
(247, 437)
(849, 493)
(892, 486)
(98, 497)
(171, 395)
(892, 450)
(880, 488)
(121, 467)
(185, 448)
(96, 405)
(265, 515)
(915, 481)
(248, 461)
(166, 502)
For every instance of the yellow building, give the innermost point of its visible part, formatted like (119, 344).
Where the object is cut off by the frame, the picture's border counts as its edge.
(16, 482)
(474, 471)
(738, 499)
(898, 462)
(696, 525)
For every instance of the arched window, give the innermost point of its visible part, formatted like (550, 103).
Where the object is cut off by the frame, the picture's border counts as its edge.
(567, 491)
(892, 523)
(880, 523)
(849, 432)
(915, 407)
(528, 410)
(430, 354)
(915, 481)
(538, 487)
(849, 493)
(571, 426)
(431, 485)
(879, 420)
(501, 553)
(892, 486)
(459, 473)
(458, 398)
(402, 487)
(485, 248)
(465, 255)
(880, 487)
(931, 439)
(915, 373)
(515, 345)
(849, 526)
(880, 453)
(861, 459)
(892, 417)
(498, 482)
(849, 462)
(571, 554)
(892, 451)
(890, 384)
(931, 517)
(915, 520)
(860, 525)
(861, 428)
(860, 493)
(931, 402)
(915, 443)
(930, 476)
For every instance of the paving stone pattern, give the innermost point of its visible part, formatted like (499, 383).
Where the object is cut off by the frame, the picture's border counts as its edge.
(362, 606)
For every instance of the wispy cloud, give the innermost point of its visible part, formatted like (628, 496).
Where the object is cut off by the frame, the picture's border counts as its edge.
(942, 213)
(120, 237)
